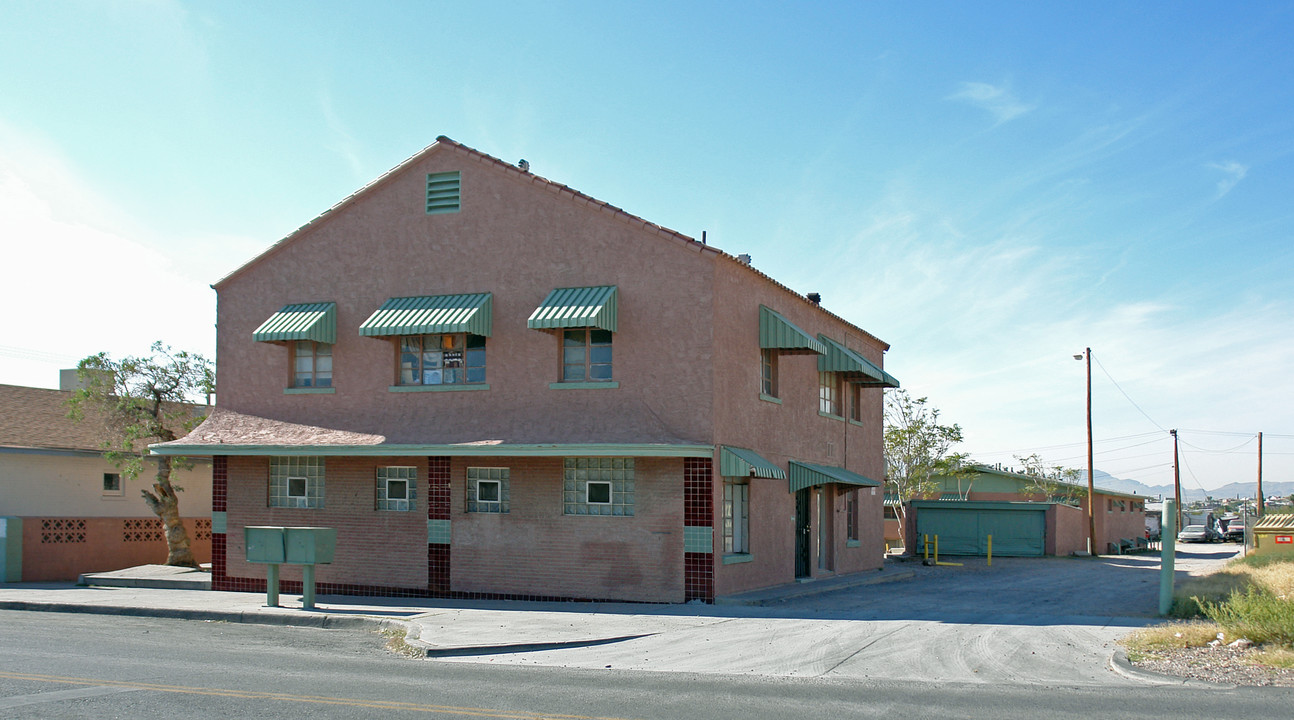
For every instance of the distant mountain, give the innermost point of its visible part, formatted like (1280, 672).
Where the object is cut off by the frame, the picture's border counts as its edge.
(1244, 490)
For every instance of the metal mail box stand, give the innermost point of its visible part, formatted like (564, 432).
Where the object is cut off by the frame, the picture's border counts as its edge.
(304, 546)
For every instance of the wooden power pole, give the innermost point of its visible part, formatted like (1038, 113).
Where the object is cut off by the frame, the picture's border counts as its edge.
(1260, 474)
(1177, 481)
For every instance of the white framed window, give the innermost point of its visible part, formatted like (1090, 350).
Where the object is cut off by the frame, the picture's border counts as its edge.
(488, 490)
(396, 488)
(586, 355)
(768, 372)
(598, 486)
(311, 364)
(829, 393)
(736, 516)
(112, 485)
(296, 482)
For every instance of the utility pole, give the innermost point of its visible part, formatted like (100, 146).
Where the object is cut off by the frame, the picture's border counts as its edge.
(1260, 475)
(1091, 470)
(1177, 480)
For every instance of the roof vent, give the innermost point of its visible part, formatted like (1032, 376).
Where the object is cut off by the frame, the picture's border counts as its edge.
(524, 165)
(744, 259)
(814, 298)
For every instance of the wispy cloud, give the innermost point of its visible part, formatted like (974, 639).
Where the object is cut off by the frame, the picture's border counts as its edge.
(1233, 173)
(996, 99)
(342, 141)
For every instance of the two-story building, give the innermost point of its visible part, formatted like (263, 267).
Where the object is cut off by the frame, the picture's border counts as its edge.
(493, 385)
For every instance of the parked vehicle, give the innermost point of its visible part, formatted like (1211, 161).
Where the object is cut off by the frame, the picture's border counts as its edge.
(1233, 529)
(1197, 533)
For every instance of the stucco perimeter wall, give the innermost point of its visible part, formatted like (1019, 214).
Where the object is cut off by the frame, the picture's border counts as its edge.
(536, 549)
(379, 548)
(515, 238)
(1068, 533)
(61, 548)
(791, 429)
(47, 485)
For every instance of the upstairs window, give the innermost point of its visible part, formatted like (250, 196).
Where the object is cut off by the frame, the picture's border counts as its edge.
(768, 372)
(855, 402)
(829, 391)
(443, 359)
(586, 355)
(311, 364)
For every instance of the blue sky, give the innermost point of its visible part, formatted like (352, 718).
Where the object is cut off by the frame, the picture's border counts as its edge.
(989, 187)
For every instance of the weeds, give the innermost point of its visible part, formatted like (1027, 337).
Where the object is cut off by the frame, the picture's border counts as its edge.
(1256, 614)
(395, 642)
(1150, 642)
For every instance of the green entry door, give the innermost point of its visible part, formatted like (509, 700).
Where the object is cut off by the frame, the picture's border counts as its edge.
(964, 529)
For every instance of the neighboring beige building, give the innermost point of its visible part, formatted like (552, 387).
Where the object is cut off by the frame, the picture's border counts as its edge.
(66, 510)
(493, 385)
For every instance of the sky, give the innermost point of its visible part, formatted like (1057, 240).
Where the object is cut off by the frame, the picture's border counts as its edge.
(989, 187)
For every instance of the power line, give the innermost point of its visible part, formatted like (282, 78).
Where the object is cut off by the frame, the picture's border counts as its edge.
(1125, 394)
(1221, 452)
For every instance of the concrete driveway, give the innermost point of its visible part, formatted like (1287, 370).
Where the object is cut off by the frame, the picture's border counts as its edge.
(1022, 621)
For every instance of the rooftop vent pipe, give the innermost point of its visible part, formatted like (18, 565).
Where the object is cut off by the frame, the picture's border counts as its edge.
(524, 165)
(744, 258)
(814, 298)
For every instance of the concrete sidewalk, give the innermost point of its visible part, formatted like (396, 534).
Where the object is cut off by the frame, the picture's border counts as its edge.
(777, 633)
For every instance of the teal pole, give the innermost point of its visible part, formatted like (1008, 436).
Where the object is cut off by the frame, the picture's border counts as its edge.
(1168, 543)
(308, 587)
(272, 585)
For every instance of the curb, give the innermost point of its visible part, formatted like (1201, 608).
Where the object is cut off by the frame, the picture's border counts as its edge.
(812, 588)
(1121, 665)
(431, 651)
(321, 621)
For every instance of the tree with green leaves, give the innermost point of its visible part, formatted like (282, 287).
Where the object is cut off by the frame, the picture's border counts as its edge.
(1052, 481)
(918, 449)
(143, 400)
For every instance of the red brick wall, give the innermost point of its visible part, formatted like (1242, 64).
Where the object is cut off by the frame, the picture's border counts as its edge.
(537, 550)
(375, 548)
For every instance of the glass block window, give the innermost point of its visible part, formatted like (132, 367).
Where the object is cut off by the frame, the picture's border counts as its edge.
(488, 490)
(297, 482)
(736, 516)
(396, 488)
(598, 486)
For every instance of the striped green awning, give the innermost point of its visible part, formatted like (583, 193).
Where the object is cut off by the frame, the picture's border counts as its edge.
(740, 462)
(951, 497)
(304, 321)
(576, 308)
(778, 333)
(432, 314)
(892, 500)
(803, 475)
(853, 365)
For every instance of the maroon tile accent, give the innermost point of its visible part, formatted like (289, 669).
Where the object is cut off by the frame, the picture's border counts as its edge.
(219, 483)
(698, 511)
(438, 488)
(438, 569)
(698, 576)
(218, 565)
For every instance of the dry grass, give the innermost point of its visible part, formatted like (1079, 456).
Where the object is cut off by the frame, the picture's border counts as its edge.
(1274, 575)
(1277, 657)
(1149, 642)
(395, 642)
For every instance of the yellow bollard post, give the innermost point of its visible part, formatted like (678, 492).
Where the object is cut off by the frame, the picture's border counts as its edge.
(936, 549)
(925, 547)
(990, 551)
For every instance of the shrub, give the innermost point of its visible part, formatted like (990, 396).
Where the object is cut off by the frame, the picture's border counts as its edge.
(1255, 614)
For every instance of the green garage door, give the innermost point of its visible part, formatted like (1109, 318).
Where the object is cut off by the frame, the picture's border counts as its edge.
(1018, 529)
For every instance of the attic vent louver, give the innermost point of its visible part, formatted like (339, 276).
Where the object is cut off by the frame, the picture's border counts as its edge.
(443, 192)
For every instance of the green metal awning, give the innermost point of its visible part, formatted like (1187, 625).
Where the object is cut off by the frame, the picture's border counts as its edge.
(304, 321)
(949, 497)
(471, 313)
(778, 333)
(576, 308)
(892, 500)
(858, 369)
(803, 475)
(740, 462)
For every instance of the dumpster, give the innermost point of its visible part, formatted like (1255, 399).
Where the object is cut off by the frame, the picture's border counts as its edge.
(1274, 535)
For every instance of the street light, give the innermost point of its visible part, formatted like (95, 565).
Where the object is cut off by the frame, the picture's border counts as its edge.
(1091, 518)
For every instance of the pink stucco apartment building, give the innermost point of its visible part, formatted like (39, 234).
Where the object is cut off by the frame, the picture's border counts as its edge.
(495, 386)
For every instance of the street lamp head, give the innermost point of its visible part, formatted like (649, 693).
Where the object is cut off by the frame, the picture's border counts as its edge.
(1078, 356)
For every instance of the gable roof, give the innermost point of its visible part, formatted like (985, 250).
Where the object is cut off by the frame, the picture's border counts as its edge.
(444, 143)
(36, 419)
(1023, 479)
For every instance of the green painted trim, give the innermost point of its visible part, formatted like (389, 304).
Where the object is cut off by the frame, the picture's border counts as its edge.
(831, 415)
(439, 532)
(310, 391)
(471, 313)
(219, 523)
(577, 308)
(698, 539)
(735, 558)
(464, 450)
(770, 398)
(444, 192)
(982, 505)
(744, 463)
(302, 321)
(608, 385)
(855, 422)
(454, 387)
(853, 543)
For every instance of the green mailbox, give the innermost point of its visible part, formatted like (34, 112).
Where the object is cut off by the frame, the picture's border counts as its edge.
(309, 545)
(264, 544)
